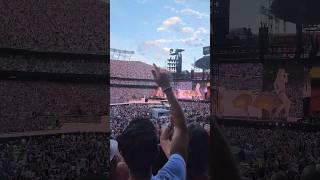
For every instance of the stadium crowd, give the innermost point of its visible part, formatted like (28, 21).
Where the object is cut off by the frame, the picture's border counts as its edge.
(27, 110)
(59, 156)
(264, 153)
(313, 118)
(63, 26)
(124, 94)
(52, 65)
(131, 82)
(130, 69)
(121, 115)
(294, 93)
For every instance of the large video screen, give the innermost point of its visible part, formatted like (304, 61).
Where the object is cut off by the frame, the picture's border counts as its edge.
(283, 91)
(237, 88)
(191, 90)
(256, 91)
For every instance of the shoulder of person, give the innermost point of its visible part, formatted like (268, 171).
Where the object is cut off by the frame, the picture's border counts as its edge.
(122, 166)
(175, 168)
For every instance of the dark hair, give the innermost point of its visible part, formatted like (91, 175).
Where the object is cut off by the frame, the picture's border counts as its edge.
(279, 176)
(222, 162)
(138, 145)
(310, 173)
(198, 151)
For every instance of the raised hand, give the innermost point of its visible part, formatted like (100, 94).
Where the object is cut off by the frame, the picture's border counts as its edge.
(161, 77)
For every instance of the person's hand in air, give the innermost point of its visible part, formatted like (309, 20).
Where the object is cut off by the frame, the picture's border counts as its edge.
(179, 141)
(161, 77)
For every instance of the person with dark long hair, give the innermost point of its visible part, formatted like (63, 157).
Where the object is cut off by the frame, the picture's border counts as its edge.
(222, 163)
(198, 150)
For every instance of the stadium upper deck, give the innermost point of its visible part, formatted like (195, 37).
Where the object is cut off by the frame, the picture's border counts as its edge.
(130, 70)
(78, 26)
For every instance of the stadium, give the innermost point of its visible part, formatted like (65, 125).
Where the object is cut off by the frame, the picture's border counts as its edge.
(53, 84)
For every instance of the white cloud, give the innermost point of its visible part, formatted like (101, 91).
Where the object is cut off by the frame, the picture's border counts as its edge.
(166, 49)
(197, 38)
(192, 41)
(187, 29)
(189, 11)
(204, 30)
(201, 30)
(165, 52)
(157, 42)
(160, 29)
(175, 23)
(154, 52)
(170, 22)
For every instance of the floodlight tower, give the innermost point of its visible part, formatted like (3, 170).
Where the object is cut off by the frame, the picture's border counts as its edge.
(174, 63)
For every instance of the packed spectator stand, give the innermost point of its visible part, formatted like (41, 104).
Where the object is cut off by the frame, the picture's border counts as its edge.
(59, 26)
(121, 115)
(264, 149)
(53, 70)
(47, 66)
(57, 156)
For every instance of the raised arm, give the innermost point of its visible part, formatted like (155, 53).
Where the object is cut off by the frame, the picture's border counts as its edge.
(179, 141)
(165, 142)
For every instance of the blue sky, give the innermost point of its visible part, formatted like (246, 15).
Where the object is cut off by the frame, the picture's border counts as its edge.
(152, 27)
